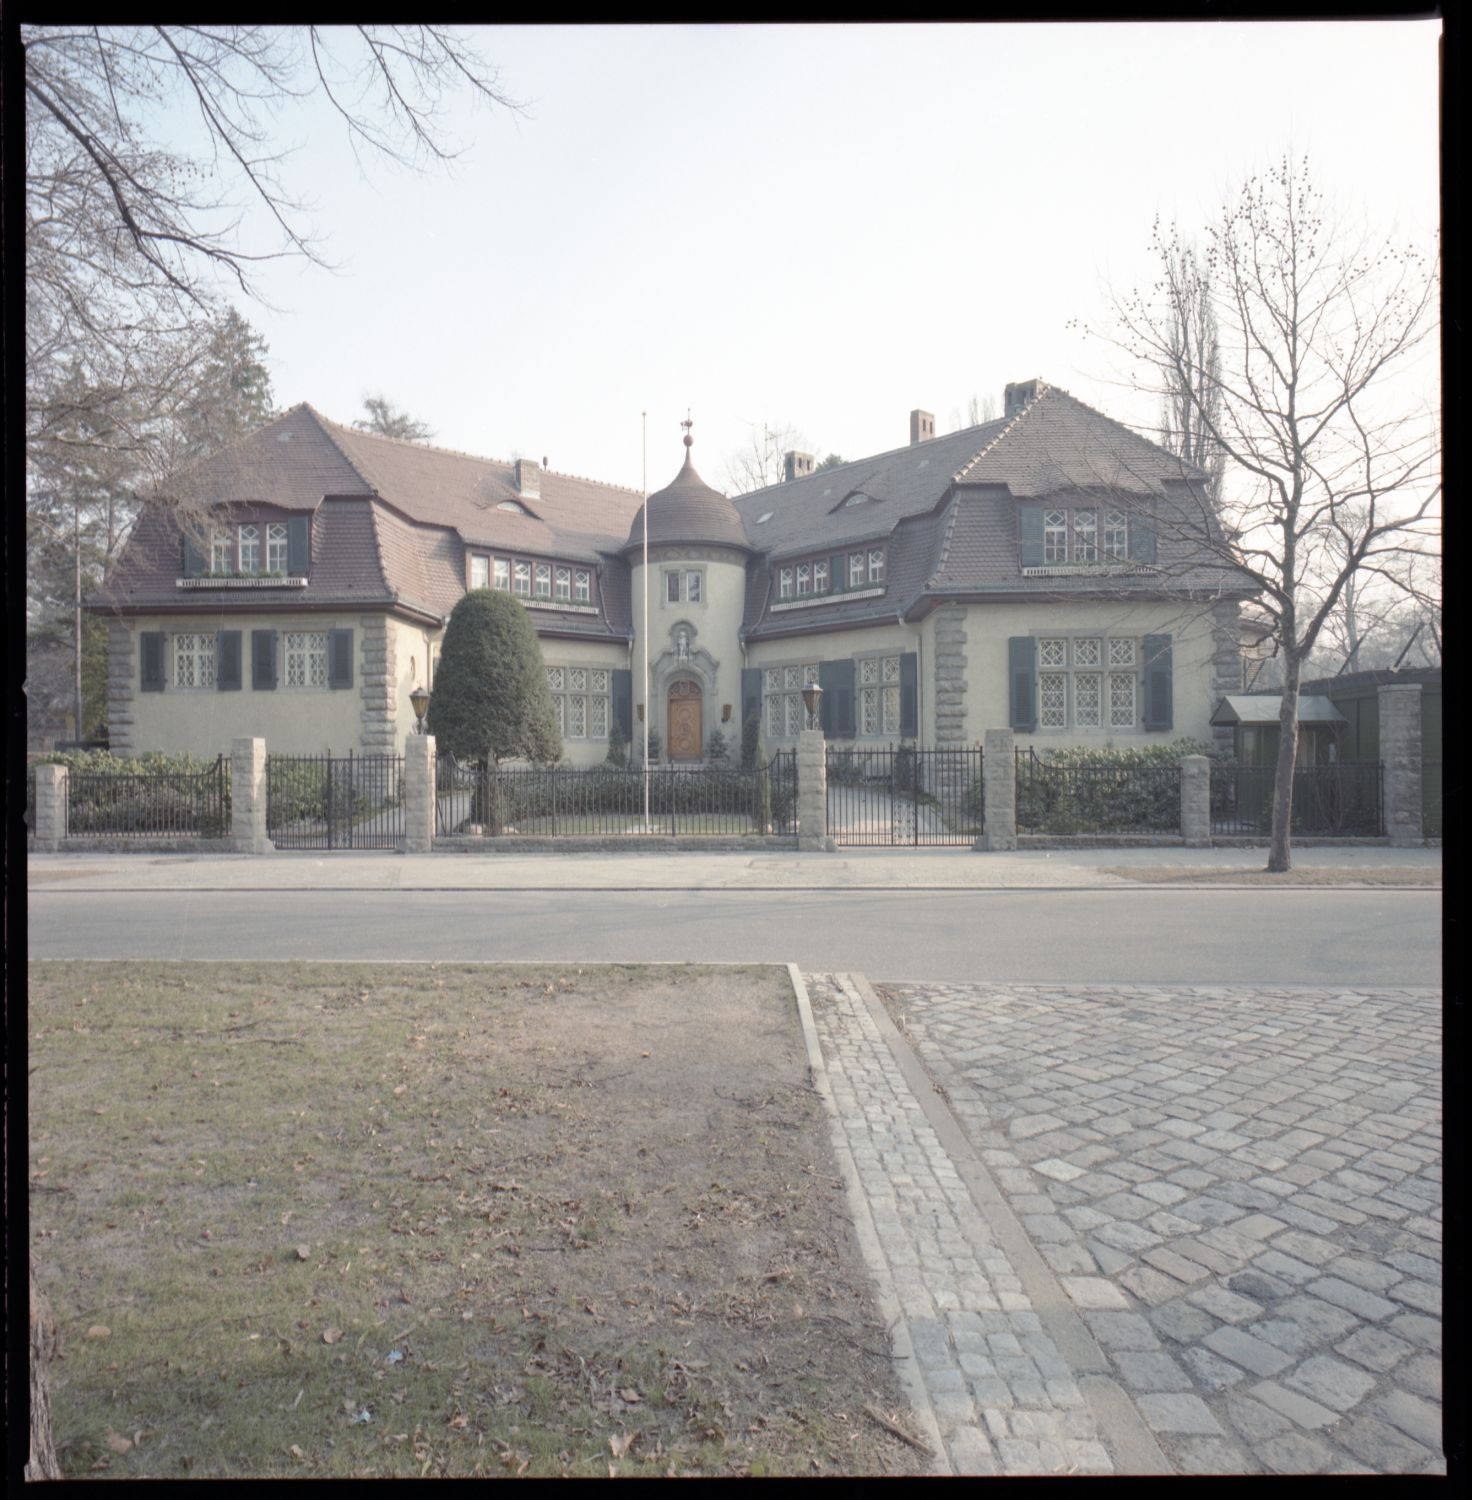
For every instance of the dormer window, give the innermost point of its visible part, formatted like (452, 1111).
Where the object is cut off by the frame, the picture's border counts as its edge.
(563, 588)
(820, 577)
(222, 552)
(521, 580)
(250, 549)
(582, 586)
(784, 584)
(804, 579)
(276, 547)
(514, 506)
(544, 580)
(856, 573)
(876, 565)
(1057, 536)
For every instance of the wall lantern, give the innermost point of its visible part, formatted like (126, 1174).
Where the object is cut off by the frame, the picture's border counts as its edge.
(419, 702)
(812, 697)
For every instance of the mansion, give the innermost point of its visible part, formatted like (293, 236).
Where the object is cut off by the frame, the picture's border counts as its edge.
(1019, 573)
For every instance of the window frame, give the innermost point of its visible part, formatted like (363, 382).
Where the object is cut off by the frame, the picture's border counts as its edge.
(249, 532)
(277, 547)
(202, 652)
(1082, 675)
(501, 574)
(307, 651)
(222, 552)
(521, 573)
(876, 565)
(582, 585)
(575, 704)
(480, 570)
(778, 699)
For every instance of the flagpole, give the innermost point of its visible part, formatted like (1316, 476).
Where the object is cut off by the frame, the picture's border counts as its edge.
(644, 420)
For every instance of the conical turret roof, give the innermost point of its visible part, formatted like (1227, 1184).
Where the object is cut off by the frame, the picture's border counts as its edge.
(688, 510)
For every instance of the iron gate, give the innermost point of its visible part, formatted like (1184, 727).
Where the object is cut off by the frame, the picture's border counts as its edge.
(899, 796)
(335, 801)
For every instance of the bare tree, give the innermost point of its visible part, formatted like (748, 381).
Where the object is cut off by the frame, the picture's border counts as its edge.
(1192, 402)
(979, 409)
(1332, 457)
(761, 462)
(384, 419)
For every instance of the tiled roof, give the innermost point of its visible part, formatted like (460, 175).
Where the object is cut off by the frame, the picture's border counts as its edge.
(688, 511)
(813, 513)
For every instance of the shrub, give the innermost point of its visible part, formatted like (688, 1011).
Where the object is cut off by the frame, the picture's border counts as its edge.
(491, 695)
(716, 749)
(175, 797)
(751, 742)
(618, 748)
(1087, 789)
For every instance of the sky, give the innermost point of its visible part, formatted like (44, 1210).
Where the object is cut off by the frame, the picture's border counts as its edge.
(821, 227)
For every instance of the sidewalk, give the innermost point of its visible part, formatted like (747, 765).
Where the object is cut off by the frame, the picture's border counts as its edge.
(767, 870)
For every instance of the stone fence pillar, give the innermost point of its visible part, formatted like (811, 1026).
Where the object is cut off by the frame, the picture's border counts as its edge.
(999, 791)
(1400, 750)
(812, 792)
(51, 794)
(1196, 801)
(419, 803)
(248, 797)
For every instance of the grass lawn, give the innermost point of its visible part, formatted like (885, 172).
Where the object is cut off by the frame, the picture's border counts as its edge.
(317, 1219)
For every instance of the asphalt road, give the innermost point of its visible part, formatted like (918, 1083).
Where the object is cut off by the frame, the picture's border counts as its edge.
(1360, 937)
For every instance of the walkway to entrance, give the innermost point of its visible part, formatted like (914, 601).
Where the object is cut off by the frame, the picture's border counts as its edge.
(902, 796)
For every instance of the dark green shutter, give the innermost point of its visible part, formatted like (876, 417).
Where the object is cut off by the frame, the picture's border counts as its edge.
(909, 697)
(227, 661)
(339, 658)
(1022, 678)
(1029, 536)
(838, 572)
(194, 563)
(151, 660)
(298, 538)
(1158, 706)
(262, 660)
(751, 693)
(623, 702)
(836, 707)
(1142, 537)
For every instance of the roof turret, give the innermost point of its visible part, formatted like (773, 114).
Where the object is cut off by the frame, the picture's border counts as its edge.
(689, 510)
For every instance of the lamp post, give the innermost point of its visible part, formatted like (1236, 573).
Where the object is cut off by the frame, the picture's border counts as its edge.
(419, 702)
(812, 699)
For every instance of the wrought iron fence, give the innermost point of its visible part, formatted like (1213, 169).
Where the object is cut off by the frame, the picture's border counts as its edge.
(608, 801)
(1109, 797)
(1344, 798)
(900, 795)
(149, 804)
(1431, 799)
(335, 802)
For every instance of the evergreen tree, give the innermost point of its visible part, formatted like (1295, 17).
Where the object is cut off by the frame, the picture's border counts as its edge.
(490, 692)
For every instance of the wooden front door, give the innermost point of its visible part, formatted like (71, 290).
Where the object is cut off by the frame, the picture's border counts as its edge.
(683, 720)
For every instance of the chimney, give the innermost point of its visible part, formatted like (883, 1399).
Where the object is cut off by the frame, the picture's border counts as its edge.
(922, 426)
(528, 479)
(1017, 395)
(795, 464)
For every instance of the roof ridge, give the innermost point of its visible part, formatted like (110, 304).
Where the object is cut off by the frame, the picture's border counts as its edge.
(1043, 389)
(480, 458)
(867, 458)
(325, 424)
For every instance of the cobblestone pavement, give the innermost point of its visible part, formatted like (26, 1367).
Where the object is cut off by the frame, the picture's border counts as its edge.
(1004, 1399)
(1240, 1190)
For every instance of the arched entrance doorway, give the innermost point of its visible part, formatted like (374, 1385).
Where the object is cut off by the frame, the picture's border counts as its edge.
(682, 721)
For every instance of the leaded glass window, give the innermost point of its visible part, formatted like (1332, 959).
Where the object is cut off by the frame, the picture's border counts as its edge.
(1053, 700)
(306, 658)
(582, 701)
(1052, 653)
(1121, 700)
(785, 714)
(194, 660)
(879, 695)
(1116, 536)
(1086, 536)
(1086, 651)
(1087, 682)
(1055, 536)
(1086, 700)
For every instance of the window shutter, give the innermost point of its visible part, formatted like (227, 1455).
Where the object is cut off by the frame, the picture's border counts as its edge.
(751, 693)
(622, 683)
(151, 661)
(194, 563)
(1029, 536)
(836, 707)
(1158, 704)
(1022, 675)
(838, 572)
(227, 661)
(262, 660)
(298, 546)
(339, 658)
(909, 697)
(1142, 538)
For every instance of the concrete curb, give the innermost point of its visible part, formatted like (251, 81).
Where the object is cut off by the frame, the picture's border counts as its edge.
(884, 1293)
(1130, 1441)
